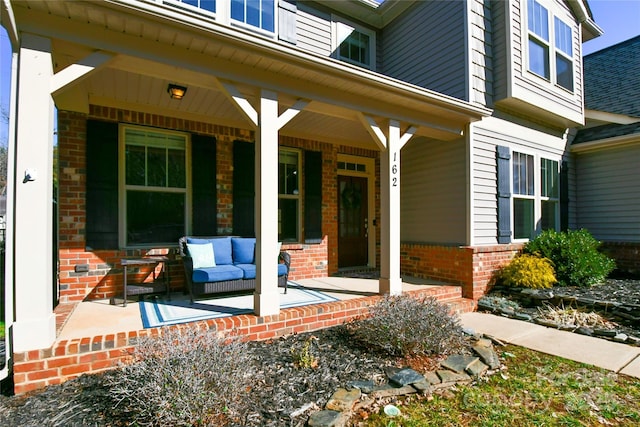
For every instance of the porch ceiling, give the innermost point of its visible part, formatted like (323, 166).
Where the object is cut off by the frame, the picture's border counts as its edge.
(153, 45)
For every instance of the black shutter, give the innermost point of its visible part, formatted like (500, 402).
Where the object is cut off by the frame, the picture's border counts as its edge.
(503, 157)
(312, 196)
(203, 185)
(564, 196)
(102, 185)
(244, 154)
(287, 12)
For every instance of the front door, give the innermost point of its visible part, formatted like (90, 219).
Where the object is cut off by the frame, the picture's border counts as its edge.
(352, 221)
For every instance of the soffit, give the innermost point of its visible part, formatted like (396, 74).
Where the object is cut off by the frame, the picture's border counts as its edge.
(152, 47)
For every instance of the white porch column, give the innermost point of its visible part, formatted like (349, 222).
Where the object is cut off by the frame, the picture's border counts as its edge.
(267, 123)
(266, 299)
(390, 280)
(35, 325)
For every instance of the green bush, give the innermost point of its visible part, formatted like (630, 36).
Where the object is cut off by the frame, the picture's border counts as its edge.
(184, 377)
(403, 326)
(574, 255)
(528, 271)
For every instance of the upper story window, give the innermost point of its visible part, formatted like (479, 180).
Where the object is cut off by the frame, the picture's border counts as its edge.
(153, 186)
(354, 44)
(257, 13)
(550, 41)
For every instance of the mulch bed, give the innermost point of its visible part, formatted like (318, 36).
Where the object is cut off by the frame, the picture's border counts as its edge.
(283, 396)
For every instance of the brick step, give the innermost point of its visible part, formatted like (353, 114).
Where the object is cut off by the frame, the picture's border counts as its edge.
(462, 305)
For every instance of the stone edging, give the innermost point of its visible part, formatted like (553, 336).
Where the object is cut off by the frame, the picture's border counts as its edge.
(537, 297)
(454, 370)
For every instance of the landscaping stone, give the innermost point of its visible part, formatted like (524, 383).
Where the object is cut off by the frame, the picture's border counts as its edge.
(620, 337)
(605, 332)
(447, 376)
(403, 376)
(325, 418)
(389, 391)
(458, 363)
(476, 368)
(363, 386)
(583, 330)
(487, 355)
(343, 400)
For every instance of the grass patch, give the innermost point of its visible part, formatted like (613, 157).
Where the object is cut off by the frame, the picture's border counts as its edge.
(533, 389)
(2, 330)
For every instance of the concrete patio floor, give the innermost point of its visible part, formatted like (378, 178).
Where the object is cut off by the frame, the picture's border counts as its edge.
(99, 317)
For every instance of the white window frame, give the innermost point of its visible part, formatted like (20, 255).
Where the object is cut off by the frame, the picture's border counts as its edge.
(296, 196)
(551, 45)
(123, 187)
(340, 30)
(537, 196)
(244, 24)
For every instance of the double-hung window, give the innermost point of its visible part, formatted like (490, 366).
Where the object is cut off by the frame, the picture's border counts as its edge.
(256, 13)
(550, 49)
(288, 195)
(154, 186)
(354, 44)
(534, 210)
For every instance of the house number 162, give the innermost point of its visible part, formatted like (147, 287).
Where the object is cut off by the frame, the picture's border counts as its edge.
(394, 169)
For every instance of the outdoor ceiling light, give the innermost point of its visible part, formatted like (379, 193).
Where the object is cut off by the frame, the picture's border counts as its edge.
(175, 91)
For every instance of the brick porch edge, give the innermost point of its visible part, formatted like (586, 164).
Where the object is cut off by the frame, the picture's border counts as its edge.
(68, 359)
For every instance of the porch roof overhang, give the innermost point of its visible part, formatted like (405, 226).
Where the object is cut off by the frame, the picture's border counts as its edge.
(144, 46)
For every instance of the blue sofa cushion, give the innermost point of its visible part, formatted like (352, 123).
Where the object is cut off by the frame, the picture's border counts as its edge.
(219, 273)
(282, 269)
(244, 250)
(249, 270)
(221, 248)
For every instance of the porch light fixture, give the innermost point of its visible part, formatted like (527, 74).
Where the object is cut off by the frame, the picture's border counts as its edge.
(175, 91)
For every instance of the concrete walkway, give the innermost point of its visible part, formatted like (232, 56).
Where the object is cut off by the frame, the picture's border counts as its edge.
(617, 357)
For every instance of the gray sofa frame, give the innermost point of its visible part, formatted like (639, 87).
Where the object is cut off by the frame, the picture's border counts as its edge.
(197, 289)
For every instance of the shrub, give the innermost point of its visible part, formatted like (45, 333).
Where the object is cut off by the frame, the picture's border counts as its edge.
(404, 326)
(528, 271)
(575, 256)
(183, 378)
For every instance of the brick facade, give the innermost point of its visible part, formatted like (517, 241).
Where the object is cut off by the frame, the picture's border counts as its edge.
(626, 255)
(470, 267)
(104, 276)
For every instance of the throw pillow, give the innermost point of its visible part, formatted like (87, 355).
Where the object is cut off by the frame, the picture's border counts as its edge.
(202, 255)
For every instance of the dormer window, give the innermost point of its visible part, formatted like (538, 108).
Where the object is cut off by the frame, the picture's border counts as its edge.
(354, 44)
(550, 51)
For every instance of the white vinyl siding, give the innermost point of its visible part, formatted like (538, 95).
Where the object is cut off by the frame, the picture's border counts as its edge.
(433, 188)
(420, 47)
(608, 195)
(314, 30)
(516, 85)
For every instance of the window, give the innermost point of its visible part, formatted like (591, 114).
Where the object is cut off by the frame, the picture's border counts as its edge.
(208, 5)
(523, 196)
(288, 195)
(548, 59)
(529, 205)
(549, 193)
(354, 44)
(154, 186)
(257, 13)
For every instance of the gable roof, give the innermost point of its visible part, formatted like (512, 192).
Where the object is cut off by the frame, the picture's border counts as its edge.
(612, 79)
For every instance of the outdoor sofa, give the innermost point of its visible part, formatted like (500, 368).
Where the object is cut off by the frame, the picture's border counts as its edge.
(224, 264)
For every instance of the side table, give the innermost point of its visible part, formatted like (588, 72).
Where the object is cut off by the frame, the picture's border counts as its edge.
(161, 282)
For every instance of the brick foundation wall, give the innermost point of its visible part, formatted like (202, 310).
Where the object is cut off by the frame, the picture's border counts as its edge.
(470, 267)
(626, 255)
(103, 278)
(68, 359)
